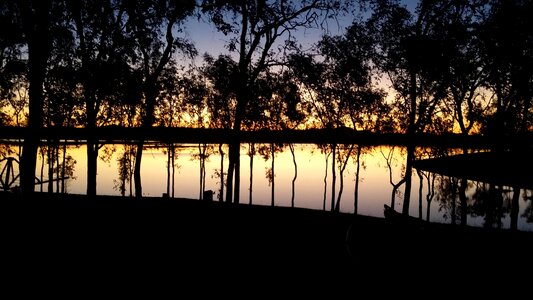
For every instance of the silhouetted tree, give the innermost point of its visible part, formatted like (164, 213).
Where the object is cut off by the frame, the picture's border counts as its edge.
(342, 163)
(221, 173)
(420, 189)
(515, 208)
(181, 102)
(13, 68)
(295, 177)
(63, 103)
(338, 88)
(256, 27)
(193, 93)
(430, 177)
(204, 151)
(153, 27)
(464, 74)
(389, 159)
(528, 210)
(284, 113)
(35, 21)
(463, 199)
(507, 56)
(125, 170)
(221, 99)
(264, 111)
(251, 153)
(409, 51)
(221, 73)
(103, 50)
(13, 71)
(357, 179)
(347, 81)
(333, 175)
(320, 106)
(445, 195)
(271, 174)
(325, 150)
(268, 151)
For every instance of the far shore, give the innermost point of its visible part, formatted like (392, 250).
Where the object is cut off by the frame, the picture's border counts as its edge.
(343, 135)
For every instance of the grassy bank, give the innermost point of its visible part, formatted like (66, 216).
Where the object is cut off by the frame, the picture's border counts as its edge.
(192, 241)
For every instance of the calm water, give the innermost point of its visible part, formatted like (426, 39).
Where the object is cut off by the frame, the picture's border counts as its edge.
(380, 168)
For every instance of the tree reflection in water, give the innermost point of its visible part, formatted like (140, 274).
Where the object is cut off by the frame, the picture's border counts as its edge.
(457, 200)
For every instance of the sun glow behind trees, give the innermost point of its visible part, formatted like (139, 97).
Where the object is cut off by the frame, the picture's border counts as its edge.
(173, 103)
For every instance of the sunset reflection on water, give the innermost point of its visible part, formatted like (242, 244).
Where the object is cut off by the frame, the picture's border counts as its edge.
(374, 183)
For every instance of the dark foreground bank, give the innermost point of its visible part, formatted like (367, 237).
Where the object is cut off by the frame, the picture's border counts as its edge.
(107, 241)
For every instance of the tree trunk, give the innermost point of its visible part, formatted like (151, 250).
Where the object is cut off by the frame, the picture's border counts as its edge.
(408, 178)
(231, 168)
(356, 188)
(235, 145)
(137, 169)
(333, 176)
(488, 206)
(173, 165)
(430, 194)
(50, 167)
(341, 175)
(63, 169)
(428, 211)
(201, 171)
(221, 193)
(499, 207)
(325, 182)
(515, 209)
(291, 147)
(420, 188)
(43, 158)
(56, 156)
(148, 120)
(463, 200)
(204, 158)
(92, 149)
(36, 21)
(454, 204)
(272, 191)
(395, 188)
(237, 182)
(251, 152)
(410, 147)
(169, 149)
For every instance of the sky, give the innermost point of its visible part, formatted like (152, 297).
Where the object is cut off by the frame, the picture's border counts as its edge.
(207, 39)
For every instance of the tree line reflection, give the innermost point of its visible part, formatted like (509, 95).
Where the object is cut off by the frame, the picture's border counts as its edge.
(459, 201)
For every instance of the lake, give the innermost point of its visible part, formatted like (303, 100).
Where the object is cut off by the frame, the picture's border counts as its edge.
(303, 177)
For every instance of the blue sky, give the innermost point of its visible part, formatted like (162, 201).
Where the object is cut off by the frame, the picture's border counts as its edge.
(207, 39)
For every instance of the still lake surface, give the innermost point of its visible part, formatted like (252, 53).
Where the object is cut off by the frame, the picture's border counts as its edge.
(380, 168)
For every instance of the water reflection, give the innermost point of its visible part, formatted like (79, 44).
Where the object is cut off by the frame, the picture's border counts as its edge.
(346, 178)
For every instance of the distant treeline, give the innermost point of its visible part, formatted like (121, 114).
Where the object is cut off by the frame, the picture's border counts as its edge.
(295, 136)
